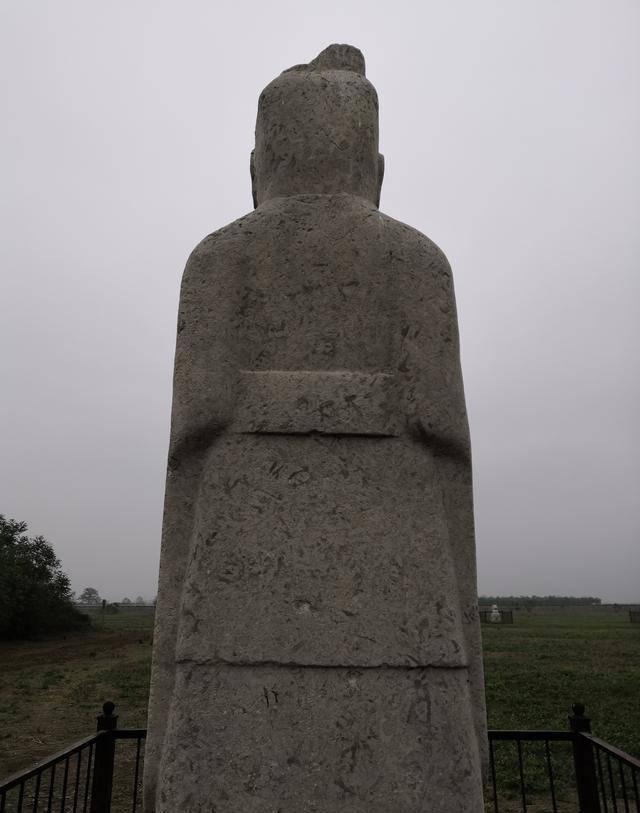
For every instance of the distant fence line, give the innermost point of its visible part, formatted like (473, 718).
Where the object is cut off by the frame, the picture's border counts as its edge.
(81, 605)
(507, 614)
(489, 615)
(503, 616)
(575, 608)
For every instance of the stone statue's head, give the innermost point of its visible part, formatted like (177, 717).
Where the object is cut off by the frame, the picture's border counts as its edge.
(317, 131)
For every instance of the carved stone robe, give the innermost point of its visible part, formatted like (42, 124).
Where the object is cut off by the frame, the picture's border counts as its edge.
(317, 641)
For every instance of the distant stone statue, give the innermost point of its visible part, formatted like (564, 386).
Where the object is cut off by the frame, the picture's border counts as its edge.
(495, 616)
(317, 645)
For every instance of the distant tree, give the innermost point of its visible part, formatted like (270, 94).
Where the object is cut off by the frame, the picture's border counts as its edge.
(139, 600)
(35, 595)
(541, 601)
(89, 596)
(125, 600)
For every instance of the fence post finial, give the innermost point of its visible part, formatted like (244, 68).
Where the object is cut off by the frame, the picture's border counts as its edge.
(104, 756)
(583, 760)
(107, 721)
(578, 721)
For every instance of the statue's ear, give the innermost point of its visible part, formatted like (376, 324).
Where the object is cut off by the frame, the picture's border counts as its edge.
(380, 177)
(252, 170)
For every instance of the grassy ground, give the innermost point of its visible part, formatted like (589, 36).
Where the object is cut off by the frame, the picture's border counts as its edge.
(535, 670)
(51, 691)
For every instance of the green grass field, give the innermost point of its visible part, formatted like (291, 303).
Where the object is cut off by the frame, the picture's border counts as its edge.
(51, 691)
(535, 670)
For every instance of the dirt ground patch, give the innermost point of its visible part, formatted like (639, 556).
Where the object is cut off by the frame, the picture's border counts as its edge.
(51, 691)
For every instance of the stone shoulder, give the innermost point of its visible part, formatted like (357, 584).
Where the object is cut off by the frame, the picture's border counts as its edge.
(220, 246)
(225, 248)
(423, 251)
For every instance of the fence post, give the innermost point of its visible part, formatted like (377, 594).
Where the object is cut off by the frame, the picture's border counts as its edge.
(102, 784)
(584, 762)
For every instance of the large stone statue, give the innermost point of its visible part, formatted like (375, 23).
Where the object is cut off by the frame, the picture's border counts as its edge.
(317, 646)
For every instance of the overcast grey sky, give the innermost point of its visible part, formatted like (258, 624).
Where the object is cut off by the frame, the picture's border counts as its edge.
(511, 131)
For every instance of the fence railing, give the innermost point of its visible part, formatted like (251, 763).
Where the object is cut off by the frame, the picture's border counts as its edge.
(561, 771)
(29, 789)
(82, 778)
(556, 771)
(619, 779)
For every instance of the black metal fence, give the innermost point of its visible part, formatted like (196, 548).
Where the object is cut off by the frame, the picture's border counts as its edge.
(618, 777)
(560, 771)
(529, 772)
(91, 776)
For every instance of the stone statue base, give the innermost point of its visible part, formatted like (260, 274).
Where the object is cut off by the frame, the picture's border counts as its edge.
(319, 740)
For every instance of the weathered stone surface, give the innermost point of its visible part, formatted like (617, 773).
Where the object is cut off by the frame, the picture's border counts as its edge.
(318, 532)
(310, 740)
(331, 402)
(343, 561)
